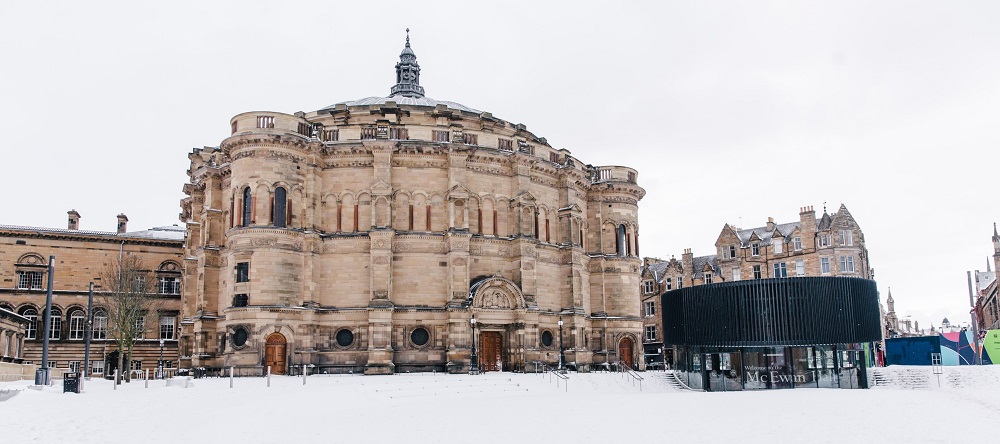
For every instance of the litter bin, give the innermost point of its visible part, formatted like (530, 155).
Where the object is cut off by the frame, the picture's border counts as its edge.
(71, 382)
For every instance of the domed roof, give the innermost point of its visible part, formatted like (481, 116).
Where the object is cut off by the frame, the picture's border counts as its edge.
(404, 100)
(407, 90)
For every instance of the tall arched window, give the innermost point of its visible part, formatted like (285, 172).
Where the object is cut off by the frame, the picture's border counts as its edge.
(77, 321)
(100, 329)
(279, 207)
(31, 331)
(247, 206)
(55, 324)
(620, 241)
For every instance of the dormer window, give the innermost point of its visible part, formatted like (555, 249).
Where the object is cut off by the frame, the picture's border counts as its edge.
(755, 250)
(797, 243)
(708, 278)
(778, 246)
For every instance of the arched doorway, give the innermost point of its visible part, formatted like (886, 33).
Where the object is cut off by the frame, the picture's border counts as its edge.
(274, 353)
(625, 347)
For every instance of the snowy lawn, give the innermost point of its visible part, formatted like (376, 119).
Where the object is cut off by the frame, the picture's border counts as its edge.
(490, 408)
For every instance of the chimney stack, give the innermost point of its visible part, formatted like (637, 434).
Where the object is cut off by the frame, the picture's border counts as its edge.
(122, 223)
(74, 220)
(770, 224)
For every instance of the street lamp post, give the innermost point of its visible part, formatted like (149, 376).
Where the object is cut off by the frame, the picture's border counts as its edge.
(473, 360)
(562, 356)
(159, 366)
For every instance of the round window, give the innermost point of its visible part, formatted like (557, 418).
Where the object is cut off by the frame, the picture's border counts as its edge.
(419, 336)
(547, 338)
(240, 337)
(345, 337)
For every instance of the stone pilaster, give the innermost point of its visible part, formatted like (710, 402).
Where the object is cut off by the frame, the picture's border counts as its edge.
(381, 268)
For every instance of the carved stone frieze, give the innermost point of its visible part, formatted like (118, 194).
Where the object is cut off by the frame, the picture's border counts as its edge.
(419, 246)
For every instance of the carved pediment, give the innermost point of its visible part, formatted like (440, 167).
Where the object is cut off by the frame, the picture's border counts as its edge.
(458, 192)
(381, 188)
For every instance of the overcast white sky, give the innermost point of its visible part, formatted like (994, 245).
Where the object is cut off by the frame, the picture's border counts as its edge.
(731, 111)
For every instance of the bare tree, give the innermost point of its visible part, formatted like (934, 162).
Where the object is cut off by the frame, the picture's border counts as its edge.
(129, 297)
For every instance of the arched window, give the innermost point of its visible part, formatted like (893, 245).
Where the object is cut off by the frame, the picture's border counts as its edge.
(55, 324)
(31, 331)
(620, 241)
(100, 330)
(247, 206)
(279, 208)
(77, 322)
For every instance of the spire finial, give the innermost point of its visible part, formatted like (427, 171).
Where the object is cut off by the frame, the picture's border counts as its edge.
(407, 73)
(824, 207)
(995, 229)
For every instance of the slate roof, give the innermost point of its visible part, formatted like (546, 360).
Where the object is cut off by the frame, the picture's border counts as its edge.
(700, 261)
(167, 233)
(764, 235)
(658, 268)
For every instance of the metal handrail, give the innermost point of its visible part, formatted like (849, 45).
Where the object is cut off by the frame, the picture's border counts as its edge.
(626, 369)
(551, 371)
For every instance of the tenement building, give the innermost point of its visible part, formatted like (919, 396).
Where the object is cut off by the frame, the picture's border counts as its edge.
(831, 245)
(987, 303)
(368, 235)
(82, 257)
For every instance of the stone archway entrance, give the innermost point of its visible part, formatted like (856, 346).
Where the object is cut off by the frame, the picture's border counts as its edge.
(275, 352)
(491, 357)
(625, 352)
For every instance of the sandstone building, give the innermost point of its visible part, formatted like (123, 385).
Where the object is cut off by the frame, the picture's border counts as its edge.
(831, 245)
(80, 258)
(987, 302)
(365, 236)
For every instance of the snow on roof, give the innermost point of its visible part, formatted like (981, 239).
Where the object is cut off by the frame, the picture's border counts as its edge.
(168, 232)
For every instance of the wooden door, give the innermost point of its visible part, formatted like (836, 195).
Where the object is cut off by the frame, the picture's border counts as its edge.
(625, 352)
(274, 353)
(491, 357)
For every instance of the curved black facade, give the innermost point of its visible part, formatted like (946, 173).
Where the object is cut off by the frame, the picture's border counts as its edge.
(773, 312)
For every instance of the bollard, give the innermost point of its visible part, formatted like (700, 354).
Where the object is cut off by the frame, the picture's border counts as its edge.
(147, 378)
(303, 374)
(115, 385)
(230, 377)
(269, 376)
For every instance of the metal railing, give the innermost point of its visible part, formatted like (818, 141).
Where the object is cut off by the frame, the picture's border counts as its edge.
(559, 374)
(625, 369)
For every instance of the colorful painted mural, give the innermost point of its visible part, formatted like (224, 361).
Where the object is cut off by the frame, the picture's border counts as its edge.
(957, 348)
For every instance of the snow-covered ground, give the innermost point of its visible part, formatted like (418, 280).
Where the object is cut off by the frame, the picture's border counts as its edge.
(499, 407)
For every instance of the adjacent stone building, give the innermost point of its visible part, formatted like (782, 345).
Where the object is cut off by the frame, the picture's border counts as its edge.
(831, 245)
(80, 258)
(365, 236)
(12, 328)
(987, 303)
